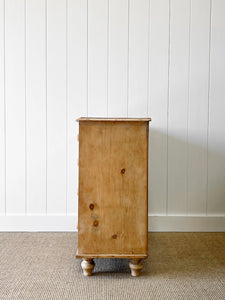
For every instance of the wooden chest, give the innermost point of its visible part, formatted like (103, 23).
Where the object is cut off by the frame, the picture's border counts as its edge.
(113, 191)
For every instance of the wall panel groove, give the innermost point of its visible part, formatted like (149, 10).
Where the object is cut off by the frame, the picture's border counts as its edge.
(216, 142)
(35, 106)
(15, 106)
(118, 58)
(158, 104)
(46, 108)
(198, 107)
(97, 57)
(77, 91)
(208, 107)
(67, 141)
(2, 111)
(167, 115)
(138, 58)
(56, 106)
(128, 54)
(178, 107)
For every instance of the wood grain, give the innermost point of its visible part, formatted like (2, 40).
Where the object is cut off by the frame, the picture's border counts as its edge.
(113, 206)
(93, 255)
(116, 119)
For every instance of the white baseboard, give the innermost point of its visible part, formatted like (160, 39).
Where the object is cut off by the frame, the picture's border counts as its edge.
(156, 223)
(186, 223)
(38, 223)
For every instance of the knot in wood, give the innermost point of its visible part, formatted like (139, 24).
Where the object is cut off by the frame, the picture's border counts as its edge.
(123, 171)
(91, 206)
(95, 223)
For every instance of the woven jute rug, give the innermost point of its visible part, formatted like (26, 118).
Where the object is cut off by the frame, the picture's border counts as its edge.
(180, 266)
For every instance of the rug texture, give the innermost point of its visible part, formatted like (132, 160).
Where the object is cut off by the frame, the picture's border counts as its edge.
(179, 266)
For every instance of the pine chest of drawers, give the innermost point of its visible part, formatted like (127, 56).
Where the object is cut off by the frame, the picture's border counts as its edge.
(113, 191)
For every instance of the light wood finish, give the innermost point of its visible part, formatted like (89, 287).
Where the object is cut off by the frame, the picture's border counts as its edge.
(87, 266)
(115, 119)
(135, 267)
(113, 189)
(93, 255)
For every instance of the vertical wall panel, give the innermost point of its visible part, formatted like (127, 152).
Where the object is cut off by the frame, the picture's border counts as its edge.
(77, 91)
(62, 59)
(56, 106)
(158, 98)
(15, 106)
(118, 58)
(178, 107)
(97, 57)
(198, 106)
(2, 109)
(36, 106)
(138, 58)
(216, 142)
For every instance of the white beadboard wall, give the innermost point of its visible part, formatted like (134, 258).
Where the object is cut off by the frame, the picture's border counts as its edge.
(62, 59)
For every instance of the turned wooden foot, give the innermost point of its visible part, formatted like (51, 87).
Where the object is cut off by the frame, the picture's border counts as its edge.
(87, 265)
(135, 267)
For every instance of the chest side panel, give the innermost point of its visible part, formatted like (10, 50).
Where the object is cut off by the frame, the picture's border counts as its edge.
(113, 159)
